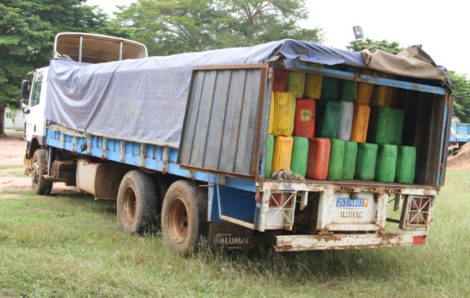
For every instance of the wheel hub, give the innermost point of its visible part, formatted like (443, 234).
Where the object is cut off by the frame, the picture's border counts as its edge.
(178, 221)
(35, 172)
(129, 205)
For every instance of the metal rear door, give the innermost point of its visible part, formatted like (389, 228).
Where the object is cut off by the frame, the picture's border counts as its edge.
(224, 115)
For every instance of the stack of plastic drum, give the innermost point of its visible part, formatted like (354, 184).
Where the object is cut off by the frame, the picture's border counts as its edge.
(378, 128)
(335, 119)
(366, 153)
(304, 122)
(328, 128)
(280, 130)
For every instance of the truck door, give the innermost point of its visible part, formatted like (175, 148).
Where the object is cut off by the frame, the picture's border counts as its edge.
(224, 114)
(35, 122)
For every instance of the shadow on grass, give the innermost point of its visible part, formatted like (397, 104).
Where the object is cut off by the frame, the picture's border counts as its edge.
(294, 267)
(78, 199)
(309, 266)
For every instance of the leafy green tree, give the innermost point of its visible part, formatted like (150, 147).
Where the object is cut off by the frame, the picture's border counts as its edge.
(384, 45)
(23, 37)
(167, 26)
(175, 26)
(27, 30)
(461, 92)
(257, 21)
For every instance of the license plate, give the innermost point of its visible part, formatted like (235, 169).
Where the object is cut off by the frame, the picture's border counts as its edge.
(347, 212)
(352, 203)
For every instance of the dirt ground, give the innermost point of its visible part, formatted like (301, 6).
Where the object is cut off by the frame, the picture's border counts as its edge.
(460, 161)
(12, 148)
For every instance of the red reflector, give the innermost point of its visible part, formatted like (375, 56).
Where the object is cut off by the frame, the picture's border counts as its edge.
(421, 202)
(283, 200)
(257, 198)
(419, 239)
(289, 202)
(276, 200)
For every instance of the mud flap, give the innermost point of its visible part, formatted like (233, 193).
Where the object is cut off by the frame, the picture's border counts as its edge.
(228, 236)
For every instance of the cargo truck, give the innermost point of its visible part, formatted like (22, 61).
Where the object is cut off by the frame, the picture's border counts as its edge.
(199, 142)
(459, 135)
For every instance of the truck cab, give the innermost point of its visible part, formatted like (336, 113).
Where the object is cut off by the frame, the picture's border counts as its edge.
(34, 106)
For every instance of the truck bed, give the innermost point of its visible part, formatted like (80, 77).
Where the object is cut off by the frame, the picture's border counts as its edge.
(164, 159)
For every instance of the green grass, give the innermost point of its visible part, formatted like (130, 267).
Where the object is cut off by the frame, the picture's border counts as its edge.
(18, 174)
(72, 246)
(11, 167)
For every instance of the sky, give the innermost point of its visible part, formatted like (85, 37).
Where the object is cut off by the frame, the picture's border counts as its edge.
(441, 27)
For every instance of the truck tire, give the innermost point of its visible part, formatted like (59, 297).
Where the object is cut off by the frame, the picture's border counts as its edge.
(183, 216)
(136, 203)
(38, 169)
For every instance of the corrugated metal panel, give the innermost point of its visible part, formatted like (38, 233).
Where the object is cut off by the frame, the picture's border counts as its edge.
(222, 122)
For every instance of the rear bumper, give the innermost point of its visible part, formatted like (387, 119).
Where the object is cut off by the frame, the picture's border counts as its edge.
(348, 241)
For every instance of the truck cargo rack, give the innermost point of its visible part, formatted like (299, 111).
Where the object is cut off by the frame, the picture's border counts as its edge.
(345, 75)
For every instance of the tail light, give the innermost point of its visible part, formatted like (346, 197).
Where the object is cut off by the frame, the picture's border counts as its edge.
(419, 240)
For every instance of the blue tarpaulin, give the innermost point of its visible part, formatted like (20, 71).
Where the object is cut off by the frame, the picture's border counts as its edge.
(144, 100)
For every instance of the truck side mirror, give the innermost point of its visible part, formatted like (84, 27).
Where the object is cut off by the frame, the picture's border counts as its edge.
(25, 89)
(24, 105)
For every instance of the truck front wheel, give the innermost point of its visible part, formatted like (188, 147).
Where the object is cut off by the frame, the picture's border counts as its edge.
(183, 214)
(39, 168)
(136, 202)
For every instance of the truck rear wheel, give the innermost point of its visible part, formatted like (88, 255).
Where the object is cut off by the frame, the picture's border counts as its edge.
(183, 212)
(137, 203)
(39, 168)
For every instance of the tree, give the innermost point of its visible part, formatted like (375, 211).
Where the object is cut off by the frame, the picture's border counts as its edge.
(23, 36)
(384, 45)
(167, 26)
(27, 30)
(461, 92)
(258, 21)
(175, 26)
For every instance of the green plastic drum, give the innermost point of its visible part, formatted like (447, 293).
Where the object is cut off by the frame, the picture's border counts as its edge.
(406, 163)
(386, 126)
(299, 156)
(386, 163)
(366, 159)
(348, 91)
(327, 116)
(269, 156)
(349, 163)
(335, 169)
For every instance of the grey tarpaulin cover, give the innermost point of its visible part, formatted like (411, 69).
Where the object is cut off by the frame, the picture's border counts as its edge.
(144, 100)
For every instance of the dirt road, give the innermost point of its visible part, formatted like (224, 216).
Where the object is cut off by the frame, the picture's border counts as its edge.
(12, 176)
(11, 160)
